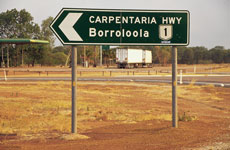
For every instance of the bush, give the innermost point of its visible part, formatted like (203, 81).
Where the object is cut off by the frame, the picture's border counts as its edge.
(53, 59)
(186, 117)
(59, 58)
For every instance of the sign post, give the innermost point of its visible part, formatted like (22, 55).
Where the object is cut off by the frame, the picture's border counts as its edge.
(174, 87)
(122, 27)
(74, 90)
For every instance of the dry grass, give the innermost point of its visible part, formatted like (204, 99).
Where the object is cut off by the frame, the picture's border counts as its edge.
(187, 117)
(41, 107)
(221, 68)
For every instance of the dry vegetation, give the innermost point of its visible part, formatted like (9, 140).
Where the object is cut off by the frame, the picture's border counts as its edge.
(45, 107)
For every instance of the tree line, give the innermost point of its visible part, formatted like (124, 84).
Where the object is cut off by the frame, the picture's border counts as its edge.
(16, 24)
(19, 24)
(189, 55)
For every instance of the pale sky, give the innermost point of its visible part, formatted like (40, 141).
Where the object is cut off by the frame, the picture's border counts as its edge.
(209, 19)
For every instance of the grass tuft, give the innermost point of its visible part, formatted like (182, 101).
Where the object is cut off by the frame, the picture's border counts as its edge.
(185, 117)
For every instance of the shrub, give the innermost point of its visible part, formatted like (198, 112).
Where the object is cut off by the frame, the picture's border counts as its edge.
(186, 117)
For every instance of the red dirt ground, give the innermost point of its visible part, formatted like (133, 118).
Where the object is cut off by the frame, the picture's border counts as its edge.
(145, 135)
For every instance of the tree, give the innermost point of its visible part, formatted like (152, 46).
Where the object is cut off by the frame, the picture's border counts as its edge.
(8, 24)
(154, 54)
(200, 54)
(47, 34)
(180, 54)
(16, 24)
(109, 55)
(59, 58)
(217, 54)
(163, 54)
(227, 56)
(35, 54)
(64, 49)
(90, 54)
(188, 56)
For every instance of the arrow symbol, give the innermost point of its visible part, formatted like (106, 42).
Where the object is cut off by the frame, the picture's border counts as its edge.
(67, 26)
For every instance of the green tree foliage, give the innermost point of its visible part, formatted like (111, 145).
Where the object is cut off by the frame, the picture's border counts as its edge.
(64, 49)
(193, 55)
(47, 34)
(188, 56)
(17, 24)
(227, 56)
(90, 53)
(180, 53)
(109, 55)
(217, 54)
(59, 58)
(35, 54)
(200, 55)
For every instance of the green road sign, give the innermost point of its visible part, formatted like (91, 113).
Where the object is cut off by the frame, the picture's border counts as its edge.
(121, 27)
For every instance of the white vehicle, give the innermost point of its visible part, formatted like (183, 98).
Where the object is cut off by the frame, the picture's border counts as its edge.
(130, 58)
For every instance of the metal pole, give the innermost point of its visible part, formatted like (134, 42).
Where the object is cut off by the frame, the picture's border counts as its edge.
(174, 87)
(74, 89)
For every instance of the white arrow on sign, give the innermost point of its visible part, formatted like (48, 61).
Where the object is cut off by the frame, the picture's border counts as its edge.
(67, 26)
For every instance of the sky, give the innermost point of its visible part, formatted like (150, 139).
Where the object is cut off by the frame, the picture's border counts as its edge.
(209, 19)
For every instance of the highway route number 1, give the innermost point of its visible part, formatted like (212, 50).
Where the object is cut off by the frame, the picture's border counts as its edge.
(165, 32)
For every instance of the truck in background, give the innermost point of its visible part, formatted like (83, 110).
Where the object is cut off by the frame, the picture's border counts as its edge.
(133, 58)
